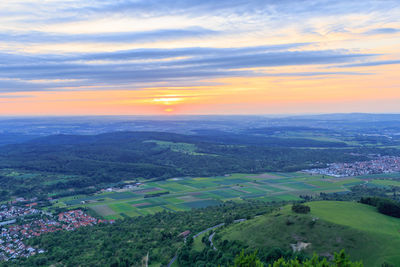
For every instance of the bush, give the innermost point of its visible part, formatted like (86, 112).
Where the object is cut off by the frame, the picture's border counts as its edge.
(300, 208)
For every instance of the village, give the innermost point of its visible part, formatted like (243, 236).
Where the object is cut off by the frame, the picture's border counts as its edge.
(10, 212)
(19, 223)
(382, 164)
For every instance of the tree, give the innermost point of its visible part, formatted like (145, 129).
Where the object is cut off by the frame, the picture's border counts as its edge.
(250, 260)
(340, 260)
(300, 208)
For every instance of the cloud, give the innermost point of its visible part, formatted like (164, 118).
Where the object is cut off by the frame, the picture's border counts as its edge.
(14, 96)
(382, 31)
(320, 73)
(117, 37)
(141, 66)
(14, 86)
(273, 59)
(37, 25)
(240, 7)
(372, 63)
(283, 11)
(162, 53)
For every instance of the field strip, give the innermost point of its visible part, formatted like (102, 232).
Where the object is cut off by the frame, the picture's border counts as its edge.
(279, 186)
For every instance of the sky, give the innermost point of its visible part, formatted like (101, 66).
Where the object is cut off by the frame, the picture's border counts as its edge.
(145, 57)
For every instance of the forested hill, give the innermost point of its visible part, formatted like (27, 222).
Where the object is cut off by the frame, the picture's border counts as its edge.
(98, 160)
(154, 154)
(202, 136)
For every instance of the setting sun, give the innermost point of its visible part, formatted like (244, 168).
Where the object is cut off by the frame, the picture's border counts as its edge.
(168, 100)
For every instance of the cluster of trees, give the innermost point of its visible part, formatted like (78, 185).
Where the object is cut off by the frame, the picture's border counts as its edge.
(127, 241)
(4, 195)
(300, 208)
(237, 254)
(40, 184)
(227, 252)
(340, 260)
(384, 205)
(358, 191)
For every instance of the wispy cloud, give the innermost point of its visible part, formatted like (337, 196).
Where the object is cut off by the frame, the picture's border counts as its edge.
(372, 63)
(117, 37)
(382, 31)
(128, 67)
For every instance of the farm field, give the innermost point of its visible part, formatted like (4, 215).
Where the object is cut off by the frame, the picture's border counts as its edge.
(394, 175)
(385, 182)
(179, 194)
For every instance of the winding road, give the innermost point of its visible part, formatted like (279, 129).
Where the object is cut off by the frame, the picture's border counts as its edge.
(209, 238)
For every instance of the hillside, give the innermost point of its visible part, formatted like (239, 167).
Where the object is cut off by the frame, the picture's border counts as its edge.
(364, 233)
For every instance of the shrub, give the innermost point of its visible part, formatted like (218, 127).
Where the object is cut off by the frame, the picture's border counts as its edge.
(300, 208)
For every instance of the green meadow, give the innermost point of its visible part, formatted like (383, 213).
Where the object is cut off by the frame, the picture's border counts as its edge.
(364, 233)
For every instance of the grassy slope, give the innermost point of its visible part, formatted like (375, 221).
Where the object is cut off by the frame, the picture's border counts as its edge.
(198, 245)
(358, 228)
(382, 230)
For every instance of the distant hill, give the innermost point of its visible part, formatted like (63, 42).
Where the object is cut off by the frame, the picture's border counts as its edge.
(131, 154)
(363, 232)
(15, 138)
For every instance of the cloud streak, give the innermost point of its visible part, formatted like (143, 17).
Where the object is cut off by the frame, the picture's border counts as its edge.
(118, 37)
(372, 63)
(382, 31)
(127, 67)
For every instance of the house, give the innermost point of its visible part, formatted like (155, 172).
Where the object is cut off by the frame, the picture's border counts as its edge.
(185, 233)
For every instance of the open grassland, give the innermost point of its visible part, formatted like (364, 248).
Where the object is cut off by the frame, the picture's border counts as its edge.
(356, 215)
(180, 194)
(198, 244)
(186, 148)
(383, 232)
(363, 232)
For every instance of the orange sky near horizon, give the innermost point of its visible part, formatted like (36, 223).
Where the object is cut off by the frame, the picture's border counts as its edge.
(249, 95)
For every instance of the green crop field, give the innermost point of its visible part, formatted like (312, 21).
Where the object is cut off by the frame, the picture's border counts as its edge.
(386, 182)
(226, 193)
(300, 186)
(120, 207)
(382, 175)
(365, 234)
(202, 203)
(186, 193)
(104, 210)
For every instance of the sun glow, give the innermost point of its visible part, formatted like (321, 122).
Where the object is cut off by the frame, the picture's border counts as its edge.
(168, 100)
